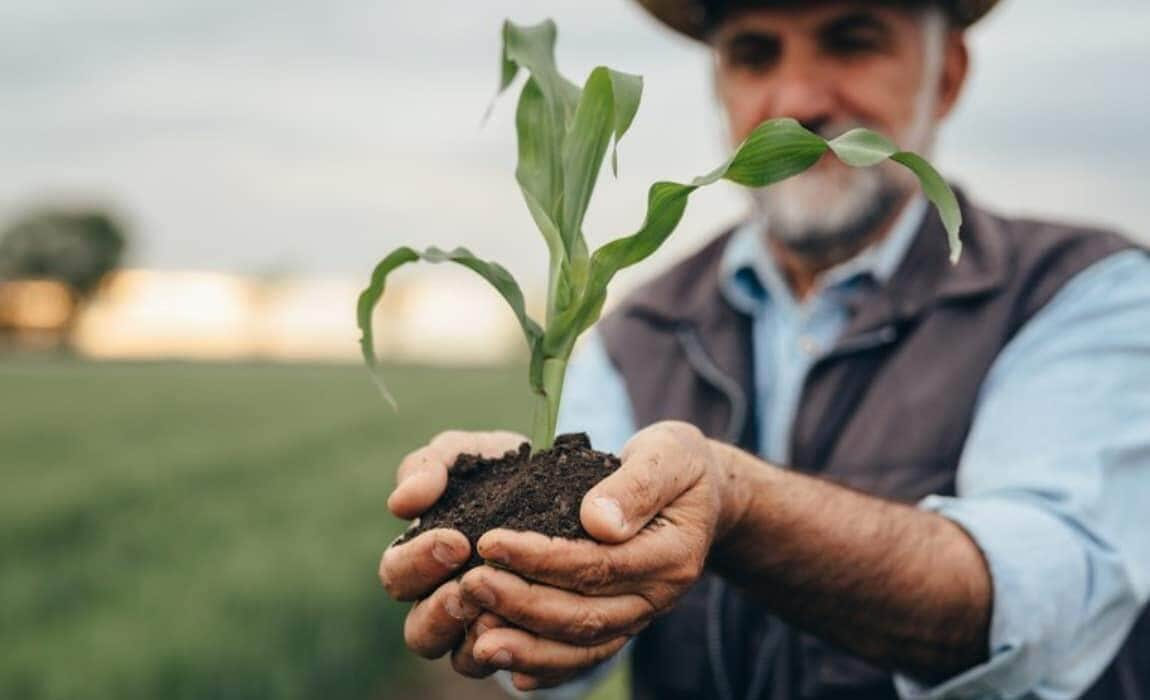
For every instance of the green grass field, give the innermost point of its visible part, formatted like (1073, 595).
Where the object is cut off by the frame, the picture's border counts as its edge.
(205, 531)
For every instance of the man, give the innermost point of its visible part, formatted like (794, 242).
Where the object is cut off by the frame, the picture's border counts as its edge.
(952, 461)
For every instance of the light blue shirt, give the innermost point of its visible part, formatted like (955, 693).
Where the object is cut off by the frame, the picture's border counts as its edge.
(1054, 480)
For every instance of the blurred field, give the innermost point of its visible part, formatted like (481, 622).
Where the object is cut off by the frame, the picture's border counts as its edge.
(206, 531)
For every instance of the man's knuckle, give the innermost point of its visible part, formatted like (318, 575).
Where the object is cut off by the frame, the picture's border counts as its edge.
(596, 575)
(589, 626)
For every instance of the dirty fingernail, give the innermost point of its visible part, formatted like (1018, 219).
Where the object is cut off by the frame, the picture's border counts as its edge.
(495, 554)
(482, 594)
(610, 509)
(501, 659)
(454, 607)
(444, 554)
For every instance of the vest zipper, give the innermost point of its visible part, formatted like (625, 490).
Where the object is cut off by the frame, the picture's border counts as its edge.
(702, 363)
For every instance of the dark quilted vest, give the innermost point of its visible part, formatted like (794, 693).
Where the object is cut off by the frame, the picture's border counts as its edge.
(887, 412)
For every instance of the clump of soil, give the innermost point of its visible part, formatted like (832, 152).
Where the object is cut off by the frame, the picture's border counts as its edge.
(519, 491)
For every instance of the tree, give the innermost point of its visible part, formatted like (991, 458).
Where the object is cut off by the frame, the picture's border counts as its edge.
(77, 247)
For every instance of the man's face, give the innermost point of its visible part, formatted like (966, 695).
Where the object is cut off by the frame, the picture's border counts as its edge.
(832, 66)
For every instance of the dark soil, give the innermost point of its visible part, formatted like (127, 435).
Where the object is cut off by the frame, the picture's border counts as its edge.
(519, 492)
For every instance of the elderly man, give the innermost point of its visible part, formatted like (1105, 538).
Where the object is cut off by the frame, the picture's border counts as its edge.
(861, 472)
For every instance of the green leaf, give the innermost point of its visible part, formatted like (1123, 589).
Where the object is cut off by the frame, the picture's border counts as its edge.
(545, 107)
(594, 125)
(940, 194)
(775, 151)
(862, 147)
(666, 203)
(584, 147)
(539, 172)
(368, 298)
(627, 90)
(508, 69)
(532, 48)
(494, 273)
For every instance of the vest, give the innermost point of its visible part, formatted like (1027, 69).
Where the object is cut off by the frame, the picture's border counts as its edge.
(886, 411)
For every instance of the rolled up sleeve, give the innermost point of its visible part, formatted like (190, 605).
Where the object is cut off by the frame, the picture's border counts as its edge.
(1053, 487)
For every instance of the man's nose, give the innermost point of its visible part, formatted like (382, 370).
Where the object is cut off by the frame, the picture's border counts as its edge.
(799, 91)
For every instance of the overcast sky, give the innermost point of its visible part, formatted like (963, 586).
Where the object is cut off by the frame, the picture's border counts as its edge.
(312, 137)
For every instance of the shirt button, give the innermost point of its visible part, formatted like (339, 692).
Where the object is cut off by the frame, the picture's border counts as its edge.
(809, 345)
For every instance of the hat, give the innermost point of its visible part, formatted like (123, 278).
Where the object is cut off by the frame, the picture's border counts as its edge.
(695, 17)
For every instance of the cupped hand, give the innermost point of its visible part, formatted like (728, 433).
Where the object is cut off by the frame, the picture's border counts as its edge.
(440, 620)
(571, 604)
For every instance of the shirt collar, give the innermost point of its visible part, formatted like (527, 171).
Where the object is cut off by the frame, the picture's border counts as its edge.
(749, 274)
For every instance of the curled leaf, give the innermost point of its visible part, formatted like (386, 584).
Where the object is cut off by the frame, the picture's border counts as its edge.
(494, 273)
(862, 148)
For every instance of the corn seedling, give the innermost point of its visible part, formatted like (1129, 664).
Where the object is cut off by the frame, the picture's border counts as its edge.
(564, 135)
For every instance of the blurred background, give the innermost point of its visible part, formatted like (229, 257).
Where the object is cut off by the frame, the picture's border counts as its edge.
(194, 466)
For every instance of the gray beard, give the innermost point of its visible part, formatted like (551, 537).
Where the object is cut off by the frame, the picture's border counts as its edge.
(831, 212)
(828, 225)
(827, 215)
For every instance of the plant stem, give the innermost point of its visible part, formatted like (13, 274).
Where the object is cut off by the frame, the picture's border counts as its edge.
(547, 403)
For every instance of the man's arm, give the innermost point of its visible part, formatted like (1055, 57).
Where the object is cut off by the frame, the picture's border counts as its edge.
(899, 587)
(1049, 488)
(1053, 486)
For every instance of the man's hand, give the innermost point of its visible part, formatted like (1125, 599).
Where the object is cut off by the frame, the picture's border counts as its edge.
(443, 619)
(573, 604)
(440, 620)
